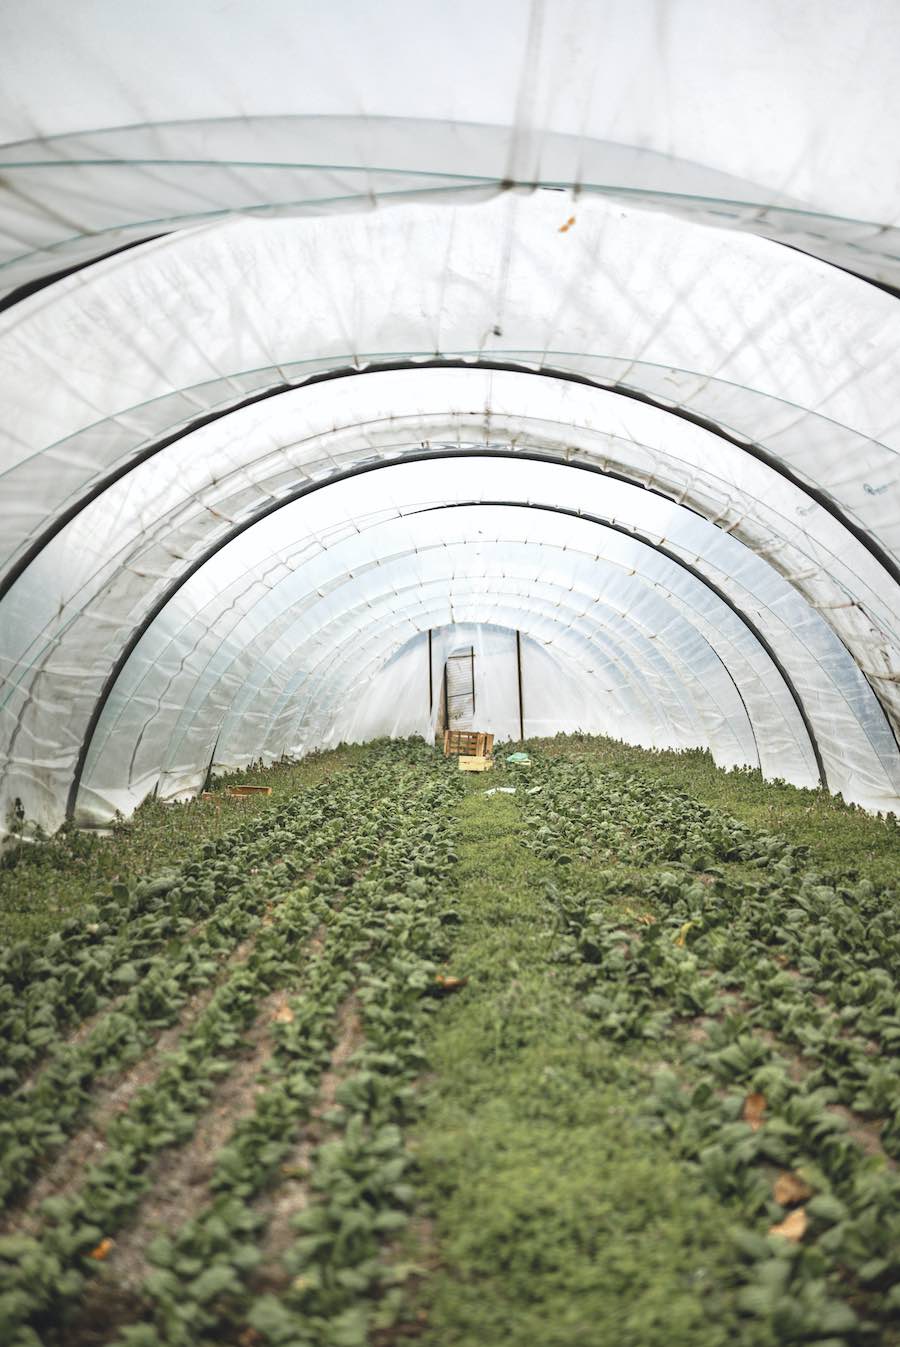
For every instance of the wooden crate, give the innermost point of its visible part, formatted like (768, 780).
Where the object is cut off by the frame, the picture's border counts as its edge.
(241, 792)
(475, 764)
(472, 743)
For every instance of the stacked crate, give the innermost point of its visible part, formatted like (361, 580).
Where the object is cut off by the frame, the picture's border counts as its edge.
(472, 747)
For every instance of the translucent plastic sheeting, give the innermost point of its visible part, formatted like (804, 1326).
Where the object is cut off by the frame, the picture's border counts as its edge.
(656, 694)
(216, 590)
(230, 611)
(558, 696)
(760, 611)
(259, 728)
(73, 610)
(747, 310)
(505, 565)
(191, 114)
(288, 605)
(744, 308)
(419, 485)
(604, 681)
(218, 474)
(756, 338)
(655, 686)
(40, 499)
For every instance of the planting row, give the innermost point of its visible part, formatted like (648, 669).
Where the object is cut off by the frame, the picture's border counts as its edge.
(777, 998)
(365, 924)
(162, 958)
(47, 985)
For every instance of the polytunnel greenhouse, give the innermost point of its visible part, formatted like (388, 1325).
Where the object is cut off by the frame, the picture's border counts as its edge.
(450, 673)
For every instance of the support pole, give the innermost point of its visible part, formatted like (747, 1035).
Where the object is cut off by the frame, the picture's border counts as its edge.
(430, 676)
(519, 671)
(472, 654)
(208, 778)
(446, 699)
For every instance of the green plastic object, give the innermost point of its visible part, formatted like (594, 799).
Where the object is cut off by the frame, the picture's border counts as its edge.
(518, 758)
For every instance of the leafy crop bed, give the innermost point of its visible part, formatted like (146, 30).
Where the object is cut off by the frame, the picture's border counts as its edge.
(392, 1059)
(319, 916)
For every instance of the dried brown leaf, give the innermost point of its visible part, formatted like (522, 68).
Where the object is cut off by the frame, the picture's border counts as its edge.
(450, 984)
(789, 1188)
(682, 935)
(754, 1108)
(103, 1249)
(793, 1227)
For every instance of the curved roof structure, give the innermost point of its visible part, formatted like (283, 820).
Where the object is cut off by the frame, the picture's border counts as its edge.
(324, 327)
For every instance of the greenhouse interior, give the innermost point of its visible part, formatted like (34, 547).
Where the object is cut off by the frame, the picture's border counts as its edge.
(450, 673)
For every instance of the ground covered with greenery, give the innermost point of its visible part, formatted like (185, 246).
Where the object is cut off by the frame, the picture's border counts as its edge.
(394, 1055)
(44, 885)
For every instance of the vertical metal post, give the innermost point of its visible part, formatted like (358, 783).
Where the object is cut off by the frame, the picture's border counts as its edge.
(446, 698)
(208, 778)
(472, 654)
(519, 671)
(430, 676)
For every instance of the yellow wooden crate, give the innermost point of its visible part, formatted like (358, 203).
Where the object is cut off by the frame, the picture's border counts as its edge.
(480, 764)
(473, 743)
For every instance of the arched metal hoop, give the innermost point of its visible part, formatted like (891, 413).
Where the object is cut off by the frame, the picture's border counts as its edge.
(419, 456)
(821, 498)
